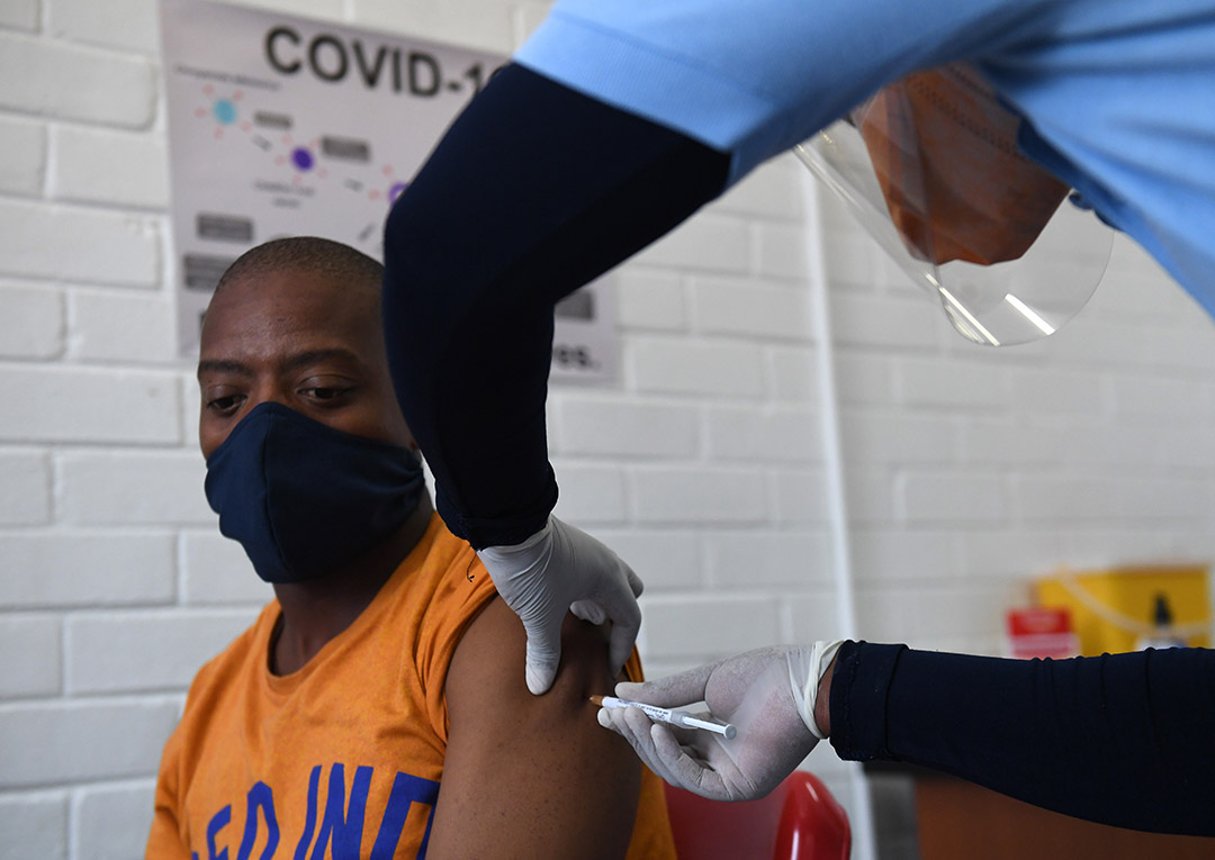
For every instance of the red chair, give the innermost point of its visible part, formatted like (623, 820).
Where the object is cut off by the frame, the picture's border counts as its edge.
(799, 820)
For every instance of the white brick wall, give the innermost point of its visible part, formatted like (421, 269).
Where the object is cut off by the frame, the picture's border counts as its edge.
(592, 494)
(34, 824)
(55, 79)
(110, 653)
(61, 403)
(767, 559)
(114, 167)
(774, 434)
(750, 308)
(19, 14)
(58, 743)
(123, 24)
(700, 627)
(710, 243)
(671, 365)
(216, 571)
(650, 300)
(32, 326)
(108, 821)
(617, 427)
(135, 328)
(966, 469)
(33, 658)
(24, 145)
(25, 495)
(969, 469)
(699, 494)
(792, 374)
(47, 568)
(155, 488)
(78, 245)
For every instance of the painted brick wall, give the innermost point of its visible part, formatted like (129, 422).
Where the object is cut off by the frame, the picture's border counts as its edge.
(966, 469)
(970, 467)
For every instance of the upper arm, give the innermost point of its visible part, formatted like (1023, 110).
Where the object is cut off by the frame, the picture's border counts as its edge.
(531, 776)
(165, 839)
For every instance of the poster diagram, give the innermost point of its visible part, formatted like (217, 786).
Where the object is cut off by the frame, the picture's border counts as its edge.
(282, 126)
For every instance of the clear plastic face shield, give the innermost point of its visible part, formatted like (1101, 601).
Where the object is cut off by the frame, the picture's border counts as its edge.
(930, 166)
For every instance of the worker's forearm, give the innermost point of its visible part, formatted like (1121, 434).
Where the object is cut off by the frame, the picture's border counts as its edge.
(1122, 739)
(533, 192)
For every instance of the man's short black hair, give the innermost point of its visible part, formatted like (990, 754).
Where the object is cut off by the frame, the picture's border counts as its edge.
(311, 253)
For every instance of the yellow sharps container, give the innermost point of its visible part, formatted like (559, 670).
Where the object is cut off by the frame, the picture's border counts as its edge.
(1113, 609)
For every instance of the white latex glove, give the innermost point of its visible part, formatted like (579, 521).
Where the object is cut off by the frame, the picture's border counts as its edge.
(562, 569)
(767, 694)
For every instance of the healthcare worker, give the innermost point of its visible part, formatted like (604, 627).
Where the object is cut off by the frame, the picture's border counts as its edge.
(617, 121)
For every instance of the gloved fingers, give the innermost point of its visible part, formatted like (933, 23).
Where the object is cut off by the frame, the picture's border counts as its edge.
(673, 691)
(683, 764)
(604, 717)
(680, 768)
(660, 763)
(634, 727)
(641, 731)
(540, 676)
(635, 583)
(626, 624)
(588, 610)
(543, 650)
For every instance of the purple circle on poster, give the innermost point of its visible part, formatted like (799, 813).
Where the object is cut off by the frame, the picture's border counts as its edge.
(395, 191)
(302, 158)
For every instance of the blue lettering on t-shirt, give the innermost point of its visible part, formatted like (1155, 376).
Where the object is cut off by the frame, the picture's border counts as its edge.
(341, 823)
(407, 789)
(314, 781)
(259, 797)
(217, 823)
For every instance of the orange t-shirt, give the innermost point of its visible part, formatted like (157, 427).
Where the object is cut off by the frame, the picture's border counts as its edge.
(343, 758)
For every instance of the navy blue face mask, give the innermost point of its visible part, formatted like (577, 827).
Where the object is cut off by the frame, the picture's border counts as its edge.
(303, 498)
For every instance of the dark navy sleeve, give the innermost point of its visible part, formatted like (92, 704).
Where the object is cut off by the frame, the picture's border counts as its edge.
(1123, 739)
(534, 191)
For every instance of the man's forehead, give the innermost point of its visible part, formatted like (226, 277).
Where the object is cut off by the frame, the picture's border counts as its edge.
(293, 297)
(290, 311)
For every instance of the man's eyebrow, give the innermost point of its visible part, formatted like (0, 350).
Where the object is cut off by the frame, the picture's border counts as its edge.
(317, 356)
(220, 365)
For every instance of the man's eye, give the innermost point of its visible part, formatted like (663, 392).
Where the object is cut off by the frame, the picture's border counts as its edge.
(326, 394)
(227, 404)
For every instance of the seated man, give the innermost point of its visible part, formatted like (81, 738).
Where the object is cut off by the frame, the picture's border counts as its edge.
(385, 666)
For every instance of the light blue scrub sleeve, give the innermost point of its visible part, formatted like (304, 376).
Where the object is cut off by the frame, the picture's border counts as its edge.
(755, 77)
(1120, 98)
(1119, 95)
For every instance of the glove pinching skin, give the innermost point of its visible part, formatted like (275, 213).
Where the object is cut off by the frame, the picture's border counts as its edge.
(562, 569)
(767, 694)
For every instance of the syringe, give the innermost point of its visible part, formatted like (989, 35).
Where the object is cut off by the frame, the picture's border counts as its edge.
(680, 719)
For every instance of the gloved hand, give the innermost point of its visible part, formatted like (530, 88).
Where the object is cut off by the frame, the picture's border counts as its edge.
(768, 695)
(559, 569)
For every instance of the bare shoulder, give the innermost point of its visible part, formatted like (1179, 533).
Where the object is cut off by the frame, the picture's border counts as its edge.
(490, 658)
(525, 775)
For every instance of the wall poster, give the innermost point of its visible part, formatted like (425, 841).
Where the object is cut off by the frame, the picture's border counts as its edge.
(281, 125)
